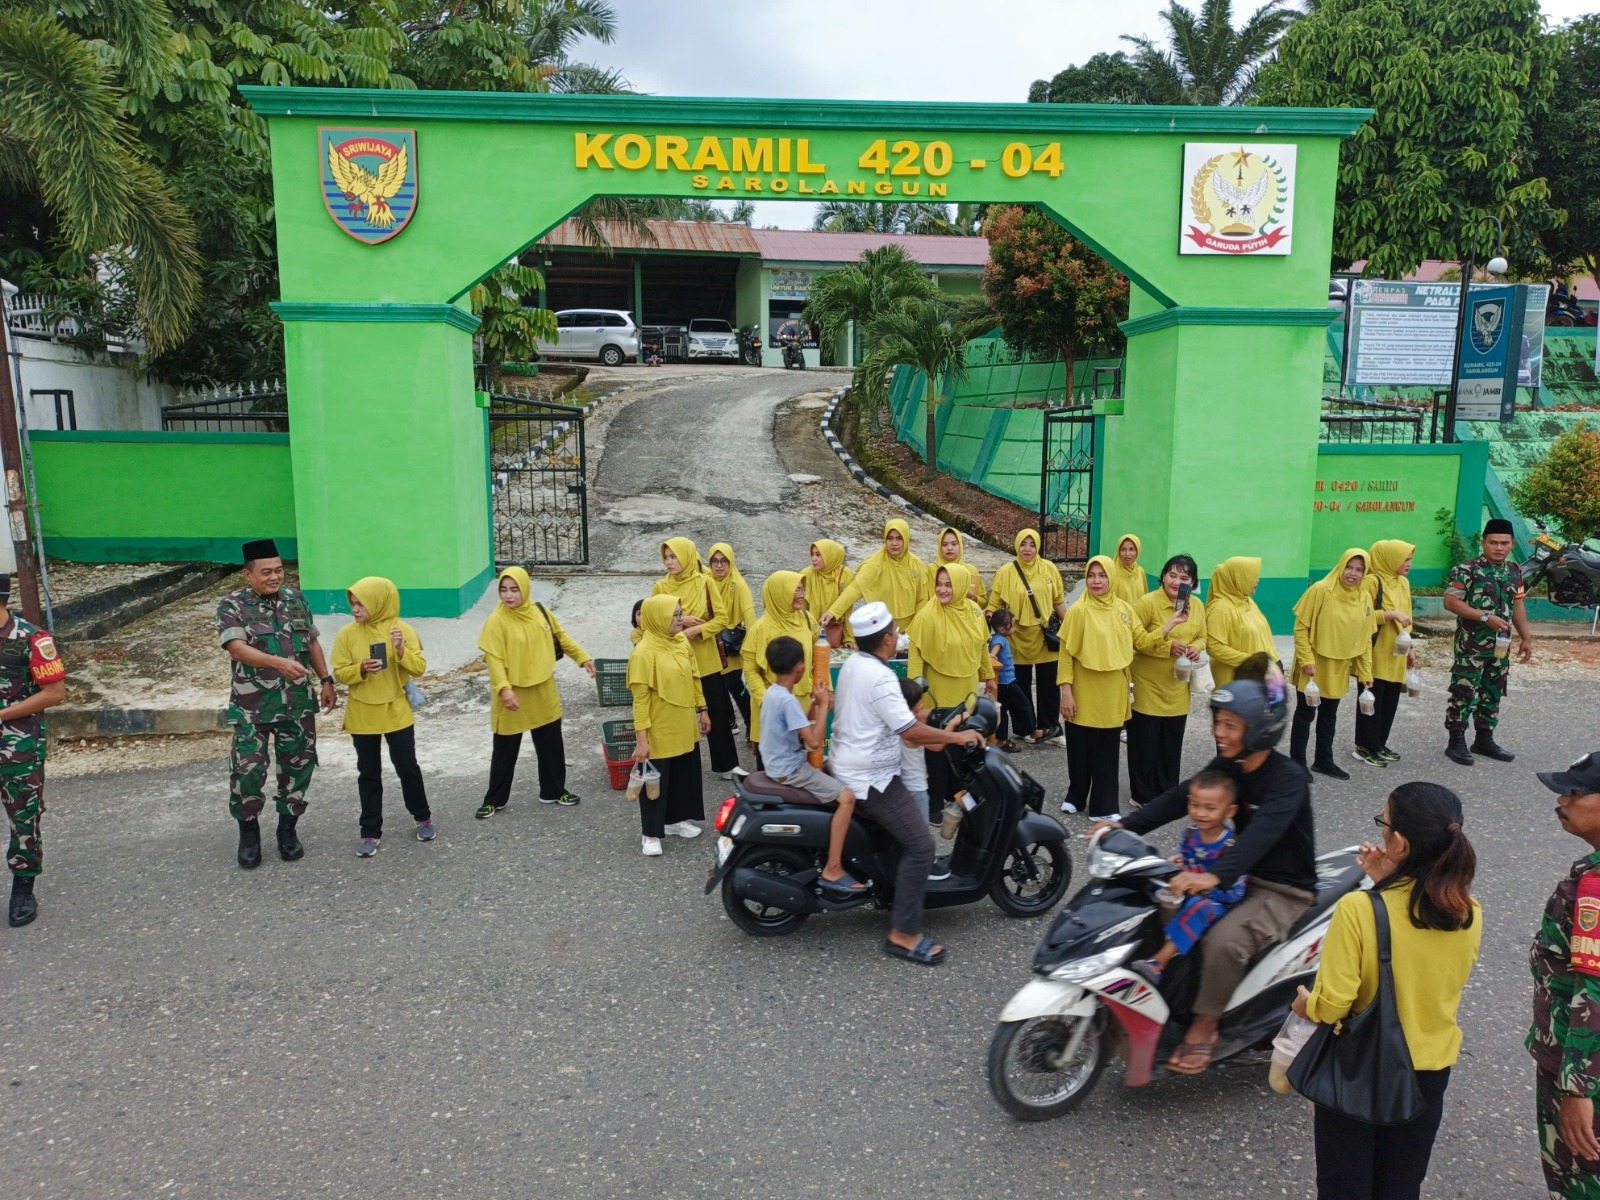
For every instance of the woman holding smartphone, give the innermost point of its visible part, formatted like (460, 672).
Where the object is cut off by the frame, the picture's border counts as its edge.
(1169, 638)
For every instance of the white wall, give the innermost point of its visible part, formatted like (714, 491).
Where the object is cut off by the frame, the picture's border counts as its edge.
(108, 389)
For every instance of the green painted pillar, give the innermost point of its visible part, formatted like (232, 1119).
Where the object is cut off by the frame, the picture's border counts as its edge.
(638, 290)
(386, 442)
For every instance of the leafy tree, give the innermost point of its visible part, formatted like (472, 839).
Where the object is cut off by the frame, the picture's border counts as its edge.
(1052, 295)
(510, 331)
(71, 169)
(1567, 139)
(1207, 61)
(1455, 85)
(876, 216)
(928, 334)
(1564, 486)
(1103, 79)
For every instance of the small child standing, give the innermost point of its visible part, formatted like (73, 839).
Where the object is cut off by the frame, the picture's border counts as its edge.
(1016, 709)
(1213, 801)
(783, 754)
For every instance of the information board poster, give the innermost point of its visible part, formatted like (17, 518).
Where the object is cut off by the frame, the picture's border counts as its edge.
(1487, 390)
(1403, 334)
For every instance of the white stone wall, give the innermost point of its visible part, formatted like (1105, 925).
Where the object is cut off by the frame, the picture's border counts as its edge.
(109, 391)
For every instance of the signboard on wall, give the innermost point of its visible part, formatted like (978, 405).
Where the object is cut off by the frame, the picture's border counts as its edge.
(1365, 493)
(1237, 198)
(1403, 334)
(1487, 390)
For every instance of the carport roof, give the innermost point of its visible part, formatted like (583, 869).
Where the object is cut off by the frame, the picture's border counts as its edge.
(776, 245)
(694, 237)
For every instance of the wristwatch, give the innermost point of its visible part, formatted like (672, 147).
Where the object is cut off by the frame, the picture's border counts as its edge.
(327, 679)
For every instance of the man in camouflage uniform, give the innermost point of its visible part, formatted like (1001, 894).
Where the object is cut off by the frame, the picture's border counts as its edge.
(32, 679)
(267, 630)
(1485, 595)
(1565, 1038)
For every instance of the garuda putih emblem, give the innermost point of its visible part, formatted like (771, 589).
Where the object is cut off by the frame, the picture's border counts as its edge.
(1238, 200)
(369, 180)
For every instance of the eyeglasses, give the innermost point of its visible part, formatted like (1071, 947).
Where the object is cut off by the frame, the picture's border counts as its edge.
(1380, 822)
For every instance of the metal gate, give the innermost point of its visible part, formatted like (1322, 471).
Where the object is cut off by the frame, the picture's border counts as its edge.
(1066, 483)
(538, 483)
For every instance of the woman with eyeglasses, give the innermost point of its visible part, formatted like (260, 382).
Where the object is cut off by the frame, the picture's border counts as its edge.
(1169, 637)
(1422, 869)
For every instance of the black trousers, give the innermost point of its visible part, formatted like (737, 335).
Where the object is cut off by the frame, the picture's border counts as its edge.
(369, 777)
(1094, 758)
(895, 810)
(1016, 712)
(1326, 716)
(682, 797)
(719, 707)
(1357, 1161)
(1372, 733)
(1040, 680)
(941, 783)
(1155, 755)
(739, 692)
(552, 753)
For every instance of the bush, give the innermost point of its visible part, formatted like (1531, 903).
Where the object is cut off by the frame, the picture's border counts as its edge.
(1563, 488)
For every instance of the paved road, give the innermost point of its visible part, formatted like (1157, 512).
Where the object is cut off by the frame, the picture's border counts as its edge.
(528, 1007)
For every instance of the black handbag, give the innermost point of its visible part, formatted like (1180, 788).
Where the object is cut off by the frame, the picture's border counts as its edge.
(733, 639)
(1050, 628)
(1361, 1067)
(554, 640)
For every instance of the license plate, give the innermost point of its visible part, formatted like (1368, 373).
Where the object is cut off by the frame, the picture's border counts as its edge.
(724, 849)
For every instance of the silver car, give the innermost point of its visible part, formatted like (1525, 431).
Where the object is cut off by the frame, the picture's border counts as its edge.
(713, 339)
(607, 335)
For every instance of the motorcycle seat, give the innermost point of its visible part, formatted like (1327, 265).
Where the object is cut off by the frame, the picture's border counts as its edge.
(760, 784)
(1329, 893)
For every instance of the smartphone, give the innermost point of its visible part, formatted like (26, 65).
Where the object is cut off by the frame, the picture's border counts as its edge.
(379, 651)
(1184, 592)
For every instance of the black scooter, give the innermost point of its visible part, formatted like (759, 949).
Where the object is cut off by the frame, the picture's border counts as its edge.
(750, 346)
(1571, 573)
(794, 358)
(774, 844)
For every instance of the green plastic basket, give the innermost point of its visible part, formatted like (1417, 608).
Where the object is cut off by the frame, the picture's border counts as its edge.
(611, 681)
(618, 738)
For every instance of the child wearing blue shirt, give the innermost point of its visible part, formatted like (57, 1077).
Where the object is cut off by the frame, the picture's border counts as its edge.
(1016, 709)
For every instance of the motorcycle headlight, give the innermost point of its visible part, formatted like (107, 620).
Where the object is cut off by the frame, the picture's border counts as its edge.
(1103, 864)
(1081, 969)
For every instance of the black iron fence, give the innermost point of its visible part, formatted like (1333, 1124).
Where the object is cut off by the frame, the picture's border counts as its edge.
(538, 480)
(1348, 421)
(239, 408)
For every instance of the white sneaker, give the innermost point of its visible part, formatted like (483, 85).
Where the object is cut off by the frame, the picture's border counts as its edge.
(1068, 806)
(683, 829)
(652, 847)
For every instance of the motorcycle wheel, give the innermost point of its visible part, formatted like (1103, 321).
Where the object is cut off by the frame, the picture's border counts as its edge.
(1019, 896)
(755, 918)
(1024, 1075)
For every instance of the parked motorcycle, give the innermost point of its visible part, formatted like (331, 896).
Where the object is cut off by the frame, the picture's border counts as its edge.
(750, 346)
(1571, 573)
(1562, 311)
(1056, 1034)
(774, 844)
(794, 358)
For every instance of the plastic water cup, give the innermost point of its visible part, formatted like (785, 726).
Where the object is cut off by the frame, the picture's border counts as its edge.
(1413, 683)
(1368, 702)
(1312, 693)
(1502, 645)
(1296, 1032)
(1182, 668)
(1402, 644)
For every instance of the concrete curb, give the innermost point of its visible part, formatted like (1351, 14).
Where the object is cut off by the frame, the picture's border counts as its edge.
(872, 484)
(70, 722)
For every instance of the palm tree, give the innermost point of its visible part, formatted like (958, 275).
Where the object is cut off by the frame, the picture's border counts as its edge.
(860, 292)
(1209, 62)
(876, 216)
(64, 141)
(929, 335)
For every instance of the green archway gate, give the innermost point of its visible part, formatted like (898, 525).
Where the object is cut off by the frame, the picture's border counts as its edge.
(1221, 218)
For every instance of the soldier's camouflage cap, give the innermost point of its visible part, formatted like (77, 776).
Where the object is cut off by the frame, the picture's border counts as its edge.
(1582, 778)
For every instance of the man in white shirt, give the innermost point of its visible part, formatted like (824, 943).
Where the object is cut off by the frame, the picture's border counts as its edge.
(870, 718)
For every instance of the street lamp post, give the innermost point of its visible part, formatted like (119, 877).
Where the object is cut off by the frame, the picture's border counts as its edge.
(1495, 266)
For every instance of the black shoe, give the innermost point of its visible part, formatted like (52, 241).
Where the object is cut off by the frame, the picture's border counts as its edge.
(289, 847)
(249, 844)
(1484, 744)
(1457, 750)
(24, 908)
(1331, 769)
(939, 870)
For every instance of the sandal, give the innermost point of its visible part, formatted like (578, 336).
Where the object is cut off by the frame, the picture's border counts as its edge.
(923, 952)
(843, 888)
(1192, 1058)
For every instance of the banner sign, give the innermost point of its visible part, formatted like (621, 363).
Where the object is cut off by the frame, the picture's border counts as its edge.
(1403, 334)
(1488, 390)
(1237, 199)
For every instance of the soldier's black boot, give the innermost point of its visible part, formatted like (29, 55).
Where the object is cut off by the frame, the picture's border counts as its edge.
(289, 847)
(24, 907)
(1484, 744)
(1457, 750)
(250, 843)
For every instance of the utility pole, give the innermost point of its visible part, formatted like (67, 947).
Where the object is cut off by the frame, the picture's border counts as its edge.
(16, 494)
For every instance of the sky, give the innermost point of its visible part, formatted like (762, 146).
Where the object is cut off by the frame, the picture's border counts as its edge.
(868, 50)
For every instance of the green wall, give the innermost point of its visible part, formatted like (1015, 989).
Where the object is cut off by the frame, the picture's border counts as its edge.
(162, 497)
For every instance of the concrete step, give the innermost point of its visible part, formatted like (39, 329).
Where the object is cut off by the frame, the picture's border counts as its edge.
(101, 613)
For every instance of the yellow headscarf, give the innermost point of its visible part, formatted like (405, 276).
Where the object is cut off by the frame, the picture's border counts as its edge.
(662, 660)
(976, 585)
(951, 638)
(778, 612)
(519, 636)
(1232, 614)
(1098, 631)
(893, 580)
(1340, 617)
(1129, 582)
(1038, 578)
(688, 586)
(726, 593)
(823, 587)
(381, 599)
(1383, 565)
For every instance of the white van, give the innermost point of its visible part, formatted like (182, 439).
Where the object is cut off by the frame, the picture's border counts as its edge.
(606, 335)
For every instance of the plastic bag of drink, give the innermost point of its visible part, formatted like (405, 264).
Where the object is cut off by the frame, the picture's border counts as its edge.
(1296, 1032)
(1413, 683)
(1312, 693)
(1368, 702)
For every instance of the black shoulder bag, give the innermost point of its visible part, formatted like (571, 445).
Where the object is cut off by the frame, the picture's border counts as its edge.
(548, 624)
(1378, 631)
(1361, 1067)
(1052, 638)
(732, 638)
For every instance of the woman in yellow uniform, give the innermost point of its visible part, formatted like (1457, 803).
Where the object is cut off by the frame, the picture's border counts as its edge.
(1389, 589)
(950, 651)
(1096, 669)
(669, 715)
(519, 643)
(1035, 659)
(1333, 630)
(732, 599)
(826, 578)
(1169, 636)
(783, 614)
(1236, 628)
(690, 584)
(891, 574)
(1128, 580)
(377, 710)
(953, 549)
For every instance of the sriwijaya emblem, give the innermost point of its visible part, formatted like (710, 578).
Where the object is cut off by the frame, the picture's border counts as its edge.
(369, 180)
